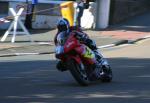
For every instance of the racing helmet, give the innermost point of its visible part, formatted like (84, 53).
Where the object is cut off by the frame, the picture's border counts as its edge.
(63, 25)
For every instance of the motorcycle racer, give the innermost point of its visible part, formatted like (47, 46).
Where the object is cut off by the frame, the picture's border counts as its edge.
(64, 26)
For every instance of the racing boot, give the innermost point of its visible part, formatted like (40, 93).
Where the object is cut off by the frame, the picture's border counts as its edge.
(101, 68)
(98, 71)
(95, 75)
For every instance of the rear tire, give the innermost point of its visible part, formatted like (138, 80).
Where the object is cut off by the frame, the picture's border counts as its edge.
(108, 75)
(79, 74)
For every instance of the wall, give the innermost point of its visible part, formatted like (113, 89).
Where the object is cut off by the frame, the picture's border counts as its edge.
(47, 19)
(42, 20)
(4, 13)
(123, 9)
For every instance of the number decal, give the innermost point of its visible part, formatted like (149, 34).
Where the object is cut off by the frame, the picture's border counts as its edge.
(89, 53)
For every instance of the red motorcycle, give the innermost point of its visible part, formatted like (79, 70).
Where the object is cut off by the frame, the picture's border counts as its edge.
(80, 59)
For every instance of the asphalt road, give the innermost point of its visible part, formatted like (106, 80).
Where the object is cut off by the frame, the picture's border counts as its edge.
(34, 79)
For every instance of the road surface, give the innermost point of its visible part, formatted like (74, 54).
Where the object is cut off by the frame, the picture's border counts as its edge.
(34, 79)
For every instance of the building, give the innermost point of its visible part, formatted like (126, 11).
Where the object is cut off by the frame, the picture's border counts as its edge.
(124, 9)
(110, 12)
(106, 12)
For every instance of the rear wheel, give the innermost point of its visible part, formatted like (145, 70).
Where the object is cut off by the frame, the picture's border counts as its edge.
(108, 75)
(78, 73)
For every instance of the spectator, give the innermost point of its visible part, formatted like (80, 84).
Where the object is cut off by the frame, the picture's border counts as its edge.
(92, 9)
(81, 5)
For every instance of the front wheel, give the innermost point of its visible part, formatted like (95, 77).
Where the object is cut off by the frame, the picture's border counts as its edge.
(78, 73)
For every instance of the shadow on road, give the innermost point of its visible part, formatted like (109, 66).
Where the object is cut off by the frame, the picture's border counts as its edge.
(40, 82)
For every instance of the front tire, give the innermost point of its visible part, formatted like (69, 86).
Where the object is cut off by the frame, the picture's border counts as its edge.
(78, 73)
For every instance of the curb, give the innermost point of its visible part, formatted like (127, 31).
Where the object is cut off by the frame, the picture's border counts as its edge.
(114, 44)
(146, 37)
(124, 42)
(21, 54)
(30, 44)
(121, 42)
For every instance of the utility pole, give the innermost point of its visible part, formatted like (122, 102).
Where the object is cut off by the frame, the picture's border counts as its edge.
(103, 12)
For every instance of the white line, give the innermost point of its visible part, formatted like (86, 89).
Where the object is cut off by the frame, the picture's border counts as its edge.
(48, 43)
(106, 46)
(26, 54)
(148, 36)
